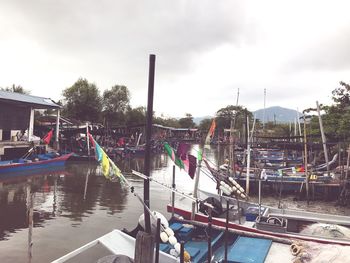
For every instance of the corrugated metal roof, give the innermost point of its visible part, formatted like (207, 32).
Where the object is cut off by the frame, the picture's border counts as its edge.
(34, 101)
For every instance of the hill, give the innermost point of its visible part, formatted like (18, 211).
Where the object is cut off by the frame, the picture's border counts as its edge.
(277, 113)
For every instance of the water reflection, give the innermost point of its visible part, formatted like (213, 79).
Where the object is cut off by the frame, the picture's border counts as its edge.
(74, 193)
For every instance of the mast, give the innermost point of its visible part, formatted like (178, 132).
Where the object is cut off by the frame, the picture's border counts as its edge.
(324, 141)
(264, 109)
(248, 158)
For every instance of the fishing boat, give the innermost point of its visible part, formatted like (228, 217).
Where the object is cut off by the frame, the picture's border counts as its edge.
(199, 243)
(267, 221)
(35, 162)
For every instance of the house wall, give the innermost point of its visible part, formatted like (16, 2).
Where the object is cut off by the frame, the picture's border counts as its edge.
(13, 118)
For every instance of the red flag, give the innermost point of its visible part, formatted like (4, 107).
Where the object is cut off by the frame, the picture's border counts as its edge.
(47, 137)
(92, 141)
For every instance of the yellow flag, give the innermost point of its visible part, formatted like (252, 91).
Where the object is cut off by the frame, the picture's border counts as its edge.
(105, 165)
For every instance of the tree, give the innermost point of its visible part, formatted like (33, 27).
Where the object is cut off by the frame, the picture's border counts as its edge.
(230, 112)
(204, 125)
(187, 122)
(168, 122)
(82, 101)
(136, 116)
(17, 89)
(341, 95)
(116, 103)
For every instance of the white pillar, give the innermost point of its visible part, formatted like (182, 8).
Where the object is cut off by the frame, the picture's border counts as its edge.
(57, 128)
(31, 124)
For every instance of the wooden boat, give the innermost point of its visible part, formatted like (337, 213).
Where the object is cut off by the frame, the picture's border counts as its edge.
(40, 161)
(195, 244)
(272, 222)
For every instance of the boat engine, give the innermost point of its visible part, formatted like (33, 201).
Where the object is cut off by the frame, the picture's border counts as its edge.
(216, 211)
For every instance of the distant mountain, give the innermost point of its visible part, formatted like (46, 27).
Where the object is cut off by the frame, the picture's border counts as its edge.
(278, 114)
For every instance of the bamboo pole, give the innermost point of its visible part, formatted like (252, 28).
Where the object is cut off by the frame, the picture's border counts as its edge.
(195, 188)
(248, 159)
(324, 141)
(306, 163)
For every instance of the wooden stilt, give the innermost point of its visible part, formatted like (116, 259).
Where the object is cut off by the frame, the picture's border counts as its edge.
(144, 248)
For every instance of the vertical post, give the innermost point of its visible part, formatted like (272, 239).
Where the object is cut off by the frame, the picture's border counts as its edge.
(173, 194)
(152, 60)
(295, 129)
(248, 159)
(31, 124)
(305, 161)
(264, 109)
(299, 125)
(157, 240)
(182, 252)
(260, 196)
(87, 138)
(226, 229)
(324, 141)
(195, 189)
(57, 130)
(209, 236)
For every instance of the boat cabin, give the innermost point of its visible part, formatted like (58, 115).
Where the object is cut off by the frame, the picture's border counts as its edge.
(17, 122)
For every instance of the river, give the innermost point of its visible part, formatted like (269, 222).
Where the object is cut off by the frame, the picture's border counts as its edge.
(76, 204)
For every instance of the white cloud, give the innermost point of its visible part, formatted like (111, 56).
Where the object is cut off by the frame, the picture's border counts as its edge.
(205, 50)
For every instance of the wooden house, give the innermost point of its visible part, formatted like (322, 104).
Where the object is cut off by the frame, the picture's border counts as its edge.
(17, 118)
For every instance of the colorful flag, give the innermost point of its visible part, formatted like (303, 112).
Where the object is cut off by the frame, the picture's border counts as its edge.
(210, 135)
(173, 156)
(182, 159)
(192, 165)
(109, 169)
(48, 136)
(182, 150)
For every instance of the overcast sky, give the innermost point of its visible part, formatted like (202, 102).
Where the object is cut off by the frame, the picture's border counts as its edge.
(297, 50)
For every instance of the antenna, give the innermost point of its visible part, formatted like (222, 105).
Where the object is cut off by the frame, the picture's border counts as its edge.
(264, 109)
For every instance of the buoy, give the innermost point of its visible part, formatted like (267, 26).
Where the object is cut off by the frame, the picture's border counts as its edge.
(164, 237)
(169, 231)
(224, 190)
(243, 196)
(238, 192)
(295, 249)
(177, 247)
(187, 256)
(234, 188)
(172, 240)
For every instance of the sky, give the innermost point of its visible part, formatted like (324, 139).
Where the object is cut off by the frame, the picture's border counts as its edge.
(206, 50)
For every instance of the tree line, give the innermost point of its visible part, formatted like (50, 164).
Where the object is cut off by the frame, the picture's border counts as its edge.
(83, 101)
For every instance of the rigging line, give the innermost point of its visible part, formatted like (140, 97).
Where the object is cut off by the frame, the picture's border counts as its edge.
(197, 200)
(132, 189)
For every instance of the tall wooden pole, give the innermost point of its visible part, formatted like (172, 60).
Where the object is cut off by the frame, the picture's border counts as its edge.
(324, 141)
(144, 245)
(195, 188)
(152, 60)
(305, 161)
(248, 159)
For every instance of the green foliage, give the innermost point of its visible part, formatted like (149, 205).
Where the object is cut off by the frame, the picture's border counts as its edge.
(204, 125)
(341, 95)
(82, 101)
(168, 122)
(136, 116)
(187, 122)
(17, 89)
(116, 102)
(230, 112)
